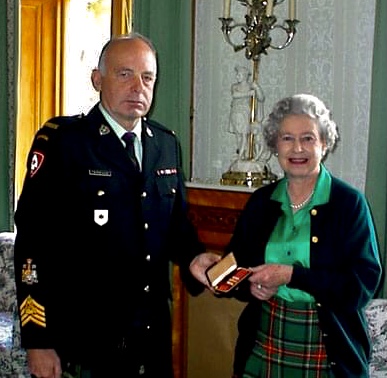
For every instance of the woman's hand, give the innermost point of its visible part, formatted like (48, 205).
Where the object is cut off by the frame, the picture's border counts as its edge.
(261, 292)
(266, 279)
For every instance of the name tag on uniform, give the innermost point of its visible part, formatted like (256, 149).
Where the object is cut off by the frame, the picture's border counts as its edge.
(98, 172)
(101, 217)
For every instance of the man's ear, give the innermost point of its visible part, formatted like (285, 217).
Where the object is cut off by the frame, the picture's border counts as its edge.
(96, 79)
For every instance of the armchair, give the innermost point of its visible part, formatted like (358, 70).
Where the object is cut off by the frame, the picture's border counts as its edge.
(13, 363)
(377, 325)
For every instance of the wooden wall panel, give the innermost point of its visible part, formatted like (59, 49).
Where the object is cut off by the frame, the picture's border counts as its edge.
(39, 73)
(209, 323)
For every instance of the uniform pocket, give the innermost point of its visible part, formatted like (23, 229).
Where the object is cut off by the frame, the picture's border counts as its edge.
(167, 186)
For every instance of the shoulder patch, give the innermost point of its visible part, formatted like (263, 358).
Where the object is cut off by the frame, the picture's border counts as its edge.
(37, 159)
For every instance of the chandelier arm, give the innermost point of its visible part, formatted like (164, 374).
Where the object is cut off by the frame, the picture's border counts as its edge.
(289, 39)
(290, 31)
(228, 26)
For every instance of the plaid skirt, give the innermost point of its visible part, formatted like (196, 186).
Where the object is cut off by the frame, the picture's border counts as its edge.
(288, 343)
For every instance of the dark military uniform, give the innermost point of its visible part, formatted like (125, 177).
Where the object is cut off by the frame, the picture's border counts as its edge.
(94, 243)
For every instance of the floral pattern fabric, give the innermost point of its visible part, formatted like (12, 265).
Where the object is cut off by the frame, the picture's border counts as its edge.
(377, 325)
(13, 363)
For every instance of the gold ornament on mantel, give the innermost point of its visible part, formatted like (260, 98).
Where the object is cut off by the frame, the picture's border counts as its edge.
(251, 168)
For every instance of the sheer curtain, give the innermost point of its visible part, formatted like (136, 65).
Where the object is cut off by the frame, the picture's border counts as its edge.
(376, 184)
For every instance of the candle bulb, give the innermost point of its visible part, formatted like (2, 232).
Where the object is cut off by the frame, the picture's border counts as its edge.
(269, 8)
(226, 8)
(292, 9)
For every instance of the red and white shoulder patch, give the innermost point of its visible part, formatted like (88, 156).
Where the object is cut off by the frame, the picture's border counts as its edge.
(36, 162)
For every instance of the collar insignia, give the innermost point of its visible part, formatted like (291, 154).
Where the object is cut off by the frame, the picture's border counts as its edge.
(149, 132)
(103, 130)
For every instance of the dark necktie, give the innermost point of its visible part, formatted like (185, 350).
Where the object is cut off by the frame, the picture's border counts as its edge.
(129, 138)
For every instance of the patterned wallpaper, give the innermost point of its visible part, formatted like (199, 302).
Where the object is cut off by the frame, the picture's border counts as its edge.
(330, 57)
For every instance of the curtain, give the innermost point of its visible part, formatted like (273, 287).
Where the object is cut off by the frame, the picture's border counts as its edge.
(376, 183)
(168, 24)
(9, 11)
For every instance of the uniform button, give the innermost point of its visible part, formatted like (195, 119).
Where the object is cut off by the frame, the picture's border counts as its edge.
(173, 191)
(147, 289)
(314, 212)
(314, 239)
(100, 193)
(141, 370)
(147, 258)
(143, 194)
(146, 226)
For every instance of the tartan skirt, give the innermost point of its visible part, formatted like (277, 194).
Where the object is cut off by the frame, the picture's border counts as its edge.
(288, 343)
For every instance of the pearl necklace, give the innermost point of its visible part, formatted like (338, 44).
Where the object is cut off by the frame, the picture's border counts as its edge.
(303, 203)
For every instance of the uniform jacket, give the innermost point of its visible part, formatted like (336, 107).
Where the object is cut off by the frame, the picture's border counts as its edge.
(343, 276)
(95, 239)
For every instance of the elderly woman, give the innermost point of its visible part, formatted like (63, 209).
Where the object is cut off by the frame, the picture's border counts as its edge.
(311, 243)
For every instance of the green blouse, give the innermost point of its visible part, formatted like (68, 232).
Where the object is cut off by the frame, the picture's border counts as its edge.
(289, 241)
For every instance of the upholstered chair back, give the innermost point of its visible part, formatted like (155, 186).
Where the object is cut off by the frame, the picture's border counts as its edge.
(12, 358)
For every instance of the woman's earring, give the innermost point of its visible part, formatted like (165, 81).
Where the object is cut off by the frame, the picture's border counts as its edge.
(276, 154)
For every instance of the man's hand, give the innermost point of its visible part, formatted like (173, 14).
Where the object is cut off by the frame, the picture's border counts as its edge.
(200, 264)
(44, 363)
